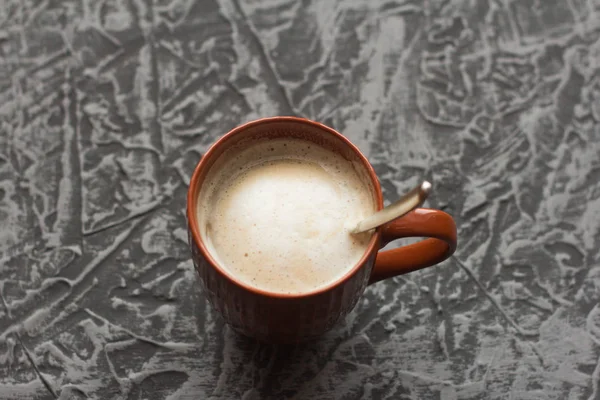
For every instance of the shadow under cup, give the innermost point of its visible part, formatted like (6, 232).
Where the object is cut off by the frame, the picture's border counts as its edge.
(292, 318)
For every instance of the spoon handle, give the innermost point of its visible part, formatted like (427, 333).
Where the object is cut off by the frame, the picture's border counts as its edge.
(405, 204)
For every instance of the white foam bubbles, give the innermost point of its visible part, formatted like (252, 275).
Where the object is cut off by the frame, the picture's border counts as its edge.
(277, 215)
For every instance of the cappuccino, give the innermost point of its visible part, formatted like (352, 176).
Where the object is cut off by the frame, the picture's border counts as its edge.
(277, 215)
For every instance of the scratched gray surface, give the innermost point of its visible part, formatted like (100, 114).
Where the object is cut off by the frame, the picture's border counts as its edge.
(106, 106)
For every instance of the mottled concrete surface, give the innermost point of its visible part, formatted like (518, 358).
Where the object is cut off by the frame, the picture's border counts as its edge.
(107, 105)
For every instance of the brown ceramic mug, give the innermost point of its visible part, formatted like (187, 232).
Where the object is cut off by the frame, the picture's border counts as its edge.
(290, 318)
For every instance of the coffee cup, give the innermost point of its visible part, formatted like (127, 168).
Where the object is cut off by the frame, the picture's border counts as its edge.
(268, 208)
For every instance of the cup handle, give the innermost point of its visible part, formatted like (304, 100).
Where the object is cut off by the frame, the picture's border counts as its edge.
(436, 225)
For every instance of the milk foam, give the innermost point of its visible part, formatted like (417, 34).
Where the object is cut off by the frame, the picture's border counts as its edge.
(276, 215)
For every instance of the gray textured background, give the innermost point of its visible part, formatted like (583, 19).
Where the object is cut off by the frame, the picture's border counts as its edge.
(107, 105)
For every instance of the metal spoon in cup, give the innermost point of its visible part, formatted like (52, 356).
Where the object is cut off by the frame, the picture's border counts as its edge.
(405, 204)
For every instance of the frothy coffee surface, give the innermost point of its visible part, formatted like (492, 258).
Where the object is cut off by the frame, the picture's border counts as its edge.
(277, 215)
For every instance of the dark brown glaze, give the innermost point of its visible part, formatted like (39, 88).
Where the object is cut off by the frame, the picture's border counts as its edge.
(287, 318)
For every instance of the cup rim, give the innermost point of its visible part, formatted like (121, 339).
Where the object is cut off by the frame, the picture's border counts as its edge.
(194, 188)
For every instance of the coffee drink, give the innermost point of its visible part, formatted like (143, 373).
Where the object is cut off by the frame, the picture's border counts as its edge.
(277, 214)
